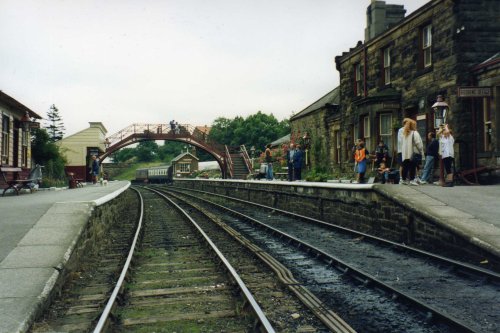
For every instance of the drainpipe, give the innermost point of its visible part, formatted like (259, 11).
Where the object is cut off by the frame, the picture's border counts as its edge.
(365, 56)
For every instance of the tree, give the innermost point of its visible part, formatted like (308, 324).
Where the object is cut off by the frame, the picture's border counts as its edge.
(45, 152)
(256, 130)
(55, 126)
(147, 151)
(124, 155)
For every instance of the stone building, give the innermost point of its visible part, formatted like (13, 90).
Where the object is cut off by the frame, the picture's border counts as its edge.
(446, 47)
(317, 129)
(184, 164)
(15, 138)
(78, 149)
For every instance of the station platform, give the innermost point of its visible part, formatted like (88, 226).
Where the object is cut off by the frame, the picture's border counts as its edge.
(38, 234)
(470, 211)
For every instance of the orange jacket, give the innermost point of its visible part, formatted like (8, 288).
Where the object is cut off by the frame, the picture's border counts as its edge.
(360, 155)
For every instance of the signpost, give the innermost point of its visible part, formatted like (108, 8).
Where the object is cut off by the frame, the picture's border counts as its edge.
(474, 92)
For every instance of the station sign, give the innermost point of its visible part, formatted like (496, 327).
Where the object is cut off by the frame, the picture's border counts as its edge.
(474, 92)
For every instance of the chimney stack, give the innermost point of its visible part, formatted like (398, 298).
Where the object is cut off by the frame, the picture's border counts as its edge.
(380, 17)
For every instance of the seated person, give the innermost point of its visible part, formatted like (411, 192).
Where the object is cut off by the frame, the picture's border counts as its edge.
(381, 153)
(386, 173)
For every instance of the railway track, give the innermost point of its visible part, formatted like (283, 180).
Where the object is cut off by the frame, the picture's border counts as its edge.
(178, 283)
(297, 310)
(87, 289)
(448, 296)
(177, 286)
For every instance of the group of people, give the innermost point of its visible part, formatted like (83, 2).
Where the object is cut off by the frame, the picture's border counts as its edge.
(294, 160)
(410, 152)
(174, 127)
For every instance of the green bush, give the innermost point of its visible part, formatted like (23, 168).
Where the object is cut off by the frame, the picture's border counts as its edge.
(317, 176)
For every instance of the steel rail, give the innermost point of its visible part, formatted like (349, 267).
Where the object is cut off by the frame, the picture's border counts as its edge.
(492, 276)
(328, 317)
(347, 269)
(103, 319)
(266, 325)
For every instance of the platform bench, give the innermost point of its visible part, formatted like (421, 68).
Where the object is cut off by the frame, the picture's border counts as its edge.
(15, 183)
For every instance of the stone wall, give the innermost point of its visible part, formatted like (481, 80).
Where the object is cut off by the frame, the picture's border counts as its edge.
(315, 125)
(371, 211)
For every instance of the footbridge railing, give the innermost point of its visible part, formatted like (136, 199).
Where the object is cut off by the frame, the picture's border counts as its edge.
(190, 134)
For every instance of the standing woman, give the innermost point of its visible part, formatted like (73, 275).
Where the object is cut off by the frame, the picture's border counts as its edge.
(411, 143)
(446, 142)
(269, 161)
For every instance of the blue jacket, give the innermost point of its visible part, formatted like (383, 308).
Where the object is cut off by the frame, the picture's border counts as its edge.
(298, 158)
(95, 167)
(432, 148)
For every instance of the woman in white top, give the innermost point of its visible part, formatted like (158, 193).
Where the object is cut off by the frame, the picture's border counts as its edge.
(447, 153)
(411, 143)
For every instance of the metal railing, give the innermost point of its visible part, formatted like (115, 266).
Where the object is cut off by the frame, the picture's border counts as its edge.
(229, 163)
(246, 158)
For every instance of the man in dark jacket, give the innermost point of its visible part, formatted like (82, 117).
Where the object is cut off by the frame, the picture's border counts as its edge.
(94, 171)
(431, 154)
(298, 159)
(289, 161)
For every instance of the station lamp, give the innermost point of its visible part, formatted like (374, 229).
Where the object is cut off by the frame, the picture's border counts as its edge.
(440, 109)
(25, 122)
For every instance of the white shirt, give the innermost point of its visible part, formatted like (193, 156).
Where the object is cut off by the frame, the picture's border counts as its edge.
(400, 139)
(446, 146)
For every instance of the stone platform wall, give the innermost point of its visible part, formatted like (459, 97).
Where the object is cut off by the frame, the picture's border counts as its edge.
(359, 207)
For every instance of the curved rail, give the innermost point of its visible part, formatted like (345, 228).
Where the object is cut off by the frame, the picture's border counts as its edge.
(355, 273)
(247, 294)
(493, 276)
(101, 324)
(328, 317)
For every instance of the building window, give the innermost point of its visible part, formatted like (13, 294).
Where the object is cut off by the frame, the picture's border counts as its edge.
(338, 143)
(427, 46)
(184, 167)
(387, 66)
(366, 132)
(385, 130)
(357, 80)
(24, 149)
(5, 140)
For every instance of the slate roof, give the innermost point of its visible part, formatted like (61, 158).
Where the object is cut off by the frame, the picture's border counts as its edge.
(331, 98)
(9, 101)
(280, 141)
(178, 157)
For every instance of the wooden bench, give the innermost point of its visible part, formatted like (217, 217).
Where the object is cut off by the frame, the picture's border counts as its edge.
(16, 183)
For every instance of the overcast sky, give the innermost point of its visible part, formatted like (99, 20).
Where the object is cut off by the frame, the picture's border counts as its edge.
(151, 61)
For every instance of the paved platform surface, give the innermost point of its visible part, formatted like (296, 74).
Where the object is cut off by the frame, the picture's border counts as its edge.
(471, 211)
(38, 232)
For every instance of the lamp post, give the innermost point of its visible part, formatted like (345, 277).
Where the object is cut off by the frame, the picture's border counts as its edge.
(307, 142)
(440, 109)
